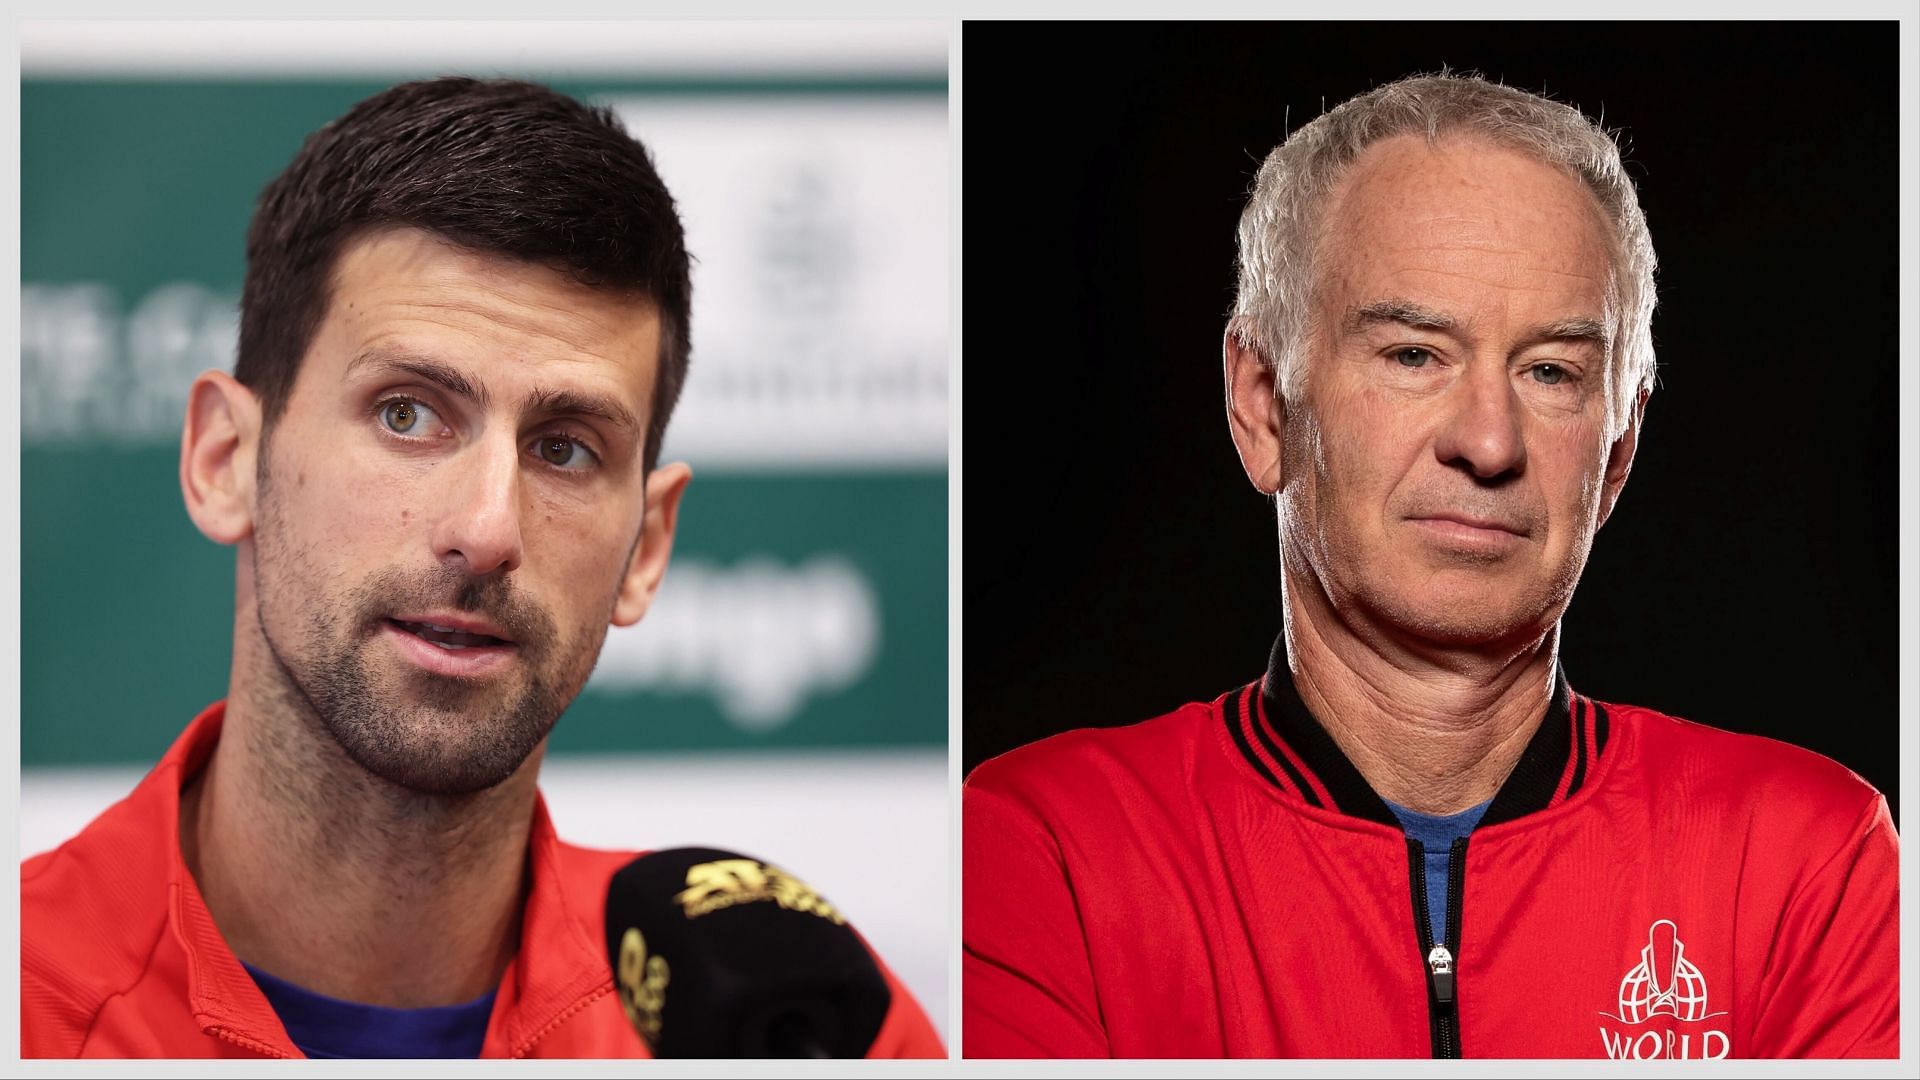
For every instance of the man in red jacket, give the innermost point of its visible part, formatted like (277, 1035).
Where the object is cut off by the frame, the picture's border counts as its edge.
(1411, 837)
(463, 328)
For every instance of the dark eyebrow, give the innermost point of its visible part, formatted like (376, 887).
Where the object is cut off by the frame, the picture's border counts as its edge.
(420, 367)
(1404, 312)
(574, 403)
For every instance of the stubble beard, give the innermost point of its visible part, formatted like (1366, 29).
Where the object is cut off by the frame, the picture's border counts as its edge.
(428, 734)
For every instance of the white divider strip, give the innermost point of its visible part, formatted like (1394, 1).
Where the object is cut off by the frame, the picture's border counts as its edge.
(302, 47)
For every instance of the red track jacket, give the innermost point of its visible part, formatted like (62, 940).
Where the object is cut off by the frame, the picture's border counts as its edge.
(1221, 881)
(119, 957)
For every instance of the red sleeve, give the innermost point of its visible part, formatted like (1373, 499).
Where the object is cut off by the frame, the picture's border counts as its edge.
(1832, 986)
(1027, 988)
(906, 1032)
(56, 1008)
(50, 1026)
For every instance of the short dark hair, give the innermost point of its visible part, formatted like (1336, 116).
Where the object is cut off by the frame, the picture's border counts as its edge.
(499, 166)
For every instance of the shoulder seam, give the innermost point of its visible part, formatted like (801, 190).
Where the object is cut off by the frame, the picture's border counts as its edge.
(146, 966)
(1852, 841)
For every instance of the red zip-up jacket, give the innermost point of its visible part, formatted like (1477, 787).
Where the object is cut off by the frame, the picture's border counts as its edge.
(120, 958)
(1221, 881)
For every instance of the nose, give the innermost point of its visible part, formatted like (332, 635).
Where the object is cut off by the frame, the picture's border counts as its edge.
(478, 529)
(1482, 432)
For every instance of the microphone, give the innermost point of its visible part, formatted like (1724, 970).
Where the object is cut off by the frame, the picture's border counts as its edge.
(718, 955)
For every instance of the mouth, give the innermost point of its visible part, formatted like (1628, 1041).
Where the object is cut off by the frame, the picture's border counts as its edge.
(452, 638)
(451, 648)
(1474, 538)
(1480, 524)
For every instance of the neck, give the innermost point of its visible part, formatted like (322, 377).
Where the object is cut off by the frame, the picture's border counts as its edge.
(1433, 729)
(338, 881)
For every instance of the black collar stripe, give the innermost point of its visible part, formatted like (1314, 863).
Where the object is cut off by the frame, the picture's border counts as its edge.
(1234, 712)
(1304, 781)
(1599, 727)
(1316, 750)
(1271, 763)
(1548, 761)
(1582, 743)
(1271, 753)
(1577, 763)
(1536, 776)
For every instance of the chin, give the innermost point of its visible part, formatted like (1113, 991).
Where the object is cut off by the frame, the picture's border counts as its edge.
(431, 751)
(1463, 617)
(464, 771)
(1491, 632)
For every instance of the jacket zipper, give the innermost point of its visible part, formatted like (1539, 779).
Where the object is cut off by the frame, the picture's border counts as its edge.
(1443, 1006)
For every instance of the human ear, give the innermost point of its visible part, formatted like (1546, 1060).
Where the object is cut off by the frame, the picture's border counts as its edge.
(1255, 414)
(664, 487)
(218, 445)
(1620, 459)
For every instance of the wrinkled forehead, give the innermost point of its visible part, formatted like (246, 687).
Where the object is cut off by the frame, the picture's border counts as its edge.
(1463, 206)
(405, 289)
(402, 265)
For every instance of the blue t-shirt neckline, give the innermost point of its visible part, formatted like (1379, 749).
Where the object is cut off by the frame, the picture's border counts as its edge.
(1436, 834)
(327, 1027)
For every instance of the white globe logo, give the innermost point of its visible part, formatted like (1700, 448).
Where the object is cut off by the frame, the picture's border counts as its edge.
(1663, 981)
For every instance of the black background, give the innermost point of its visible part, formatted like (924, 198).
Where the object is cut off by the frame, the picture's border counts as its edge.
(1117, 563)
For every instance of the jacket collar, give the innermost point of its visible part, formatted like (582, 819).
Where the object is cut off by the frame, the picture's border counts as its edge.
(1287, 746)
(557, 969)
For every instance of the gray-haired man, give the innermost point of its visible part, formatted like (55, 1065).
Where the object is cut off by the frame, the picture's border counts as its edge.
(1411, 836)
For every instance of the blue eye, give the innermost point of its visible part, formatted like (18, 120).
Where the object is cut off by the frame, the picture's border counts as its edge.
(564, 453)
(1550, 374)
(1412, 357)
(405, 417)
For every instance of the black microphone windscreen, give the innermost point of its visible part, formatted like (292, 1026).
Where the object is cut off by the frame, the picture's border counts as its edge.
(719, 955)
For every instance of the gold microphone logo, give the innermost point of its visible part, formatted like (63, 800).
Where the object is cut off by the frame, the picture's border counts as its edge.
(643, 984)
(726, 882)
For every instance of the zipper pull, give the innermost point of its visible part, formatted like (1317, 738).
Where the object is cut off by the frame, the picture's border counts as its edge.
(1440, 970)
